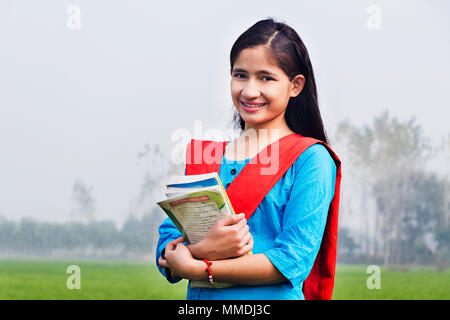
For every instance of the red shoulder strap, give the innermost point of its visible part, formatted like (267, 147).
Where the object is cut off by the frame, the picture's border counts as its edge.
(204, 156)
(320, 282)
(264, 171)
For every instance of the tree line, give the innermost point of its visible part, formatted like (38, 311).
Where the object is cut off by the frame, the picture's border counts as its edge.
(95, 239)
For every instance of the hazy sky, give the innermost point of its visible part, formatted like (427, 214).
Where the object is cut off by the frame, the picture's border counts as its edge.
(81, 103)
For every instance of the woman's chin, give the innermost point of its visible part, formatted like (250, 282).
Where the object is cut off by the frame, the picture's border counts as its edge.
(252, 122)
(250, 119)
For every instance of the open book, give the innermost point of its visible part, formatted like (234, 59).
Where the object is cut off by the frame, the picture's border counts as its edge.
(194, 203)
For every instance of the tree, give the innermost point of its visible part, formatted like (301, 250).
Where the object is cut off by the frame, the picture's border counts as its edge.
(137, 235)
(384, 149)
(347, 245)
(423, 208)
(83, 202)
(157, 168)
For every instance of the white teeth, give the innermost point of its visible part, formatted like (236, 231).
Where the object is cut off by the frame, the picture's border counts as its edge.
(253, 105)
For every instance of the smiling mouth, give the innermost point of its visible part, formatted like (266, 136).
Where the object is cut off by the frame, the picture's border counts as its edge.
(253, 105)
(252, 108)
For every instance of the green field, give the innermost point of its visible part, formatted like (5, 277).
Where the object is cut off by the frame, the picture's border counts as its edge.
(46, 279)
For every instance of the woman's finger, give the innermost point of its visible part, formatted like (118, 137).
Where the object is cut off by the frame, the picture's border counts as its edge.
(231, 220)
(172, 244)
(246, 239)
(178, 240)
(242, 229)
(248, 247)
(162, 262)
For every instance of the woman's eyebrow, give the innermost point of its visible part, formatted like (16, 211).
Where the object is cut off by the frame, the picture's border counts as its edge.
(257, 72)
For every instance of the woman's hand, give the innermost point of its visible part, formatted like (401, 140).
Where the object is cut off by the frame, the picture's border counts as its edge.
(229, 237)
(179, 260)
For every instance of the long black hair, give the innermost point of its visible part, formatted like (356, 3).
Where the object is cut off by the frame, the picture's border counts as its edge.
(302, 113)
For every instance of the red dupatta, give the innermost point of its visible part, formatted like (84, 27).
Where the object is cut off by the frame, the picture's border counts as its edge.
(206, 156)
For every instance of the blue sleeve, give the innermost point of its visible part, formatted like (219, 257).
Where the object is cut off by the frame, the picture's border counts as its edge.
(167, 232)
(305, 215)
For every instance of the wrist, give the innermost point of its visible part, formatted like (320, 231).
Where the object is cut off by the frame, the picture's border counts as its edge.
(196, 250)
(198, 270)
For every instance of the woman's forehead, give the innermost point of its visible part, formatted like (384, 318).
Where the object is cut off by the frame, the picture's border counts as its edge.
(256, 60)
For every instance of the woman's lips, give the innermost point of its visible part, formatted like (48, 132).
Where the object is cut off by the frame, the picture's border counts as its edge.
(251, 109)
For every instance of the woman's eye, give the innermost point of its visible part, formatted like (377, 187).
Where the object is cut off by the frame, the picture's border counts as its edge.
(243, 76)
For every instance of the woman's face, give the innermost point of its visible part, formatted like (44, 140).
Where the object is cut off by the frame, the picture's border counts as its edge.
(261, 90)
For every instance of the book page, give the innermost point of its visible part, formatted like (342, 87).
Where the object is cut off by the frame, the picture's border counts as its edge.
(196, 212)
(197, 216)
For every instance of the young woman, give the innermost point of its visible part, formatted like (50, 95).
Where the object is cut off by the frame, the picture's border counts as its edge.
(274, 92)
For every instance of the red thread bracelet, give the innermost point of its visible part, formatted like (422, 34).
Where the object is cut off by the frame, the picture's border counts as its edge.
(208, 268)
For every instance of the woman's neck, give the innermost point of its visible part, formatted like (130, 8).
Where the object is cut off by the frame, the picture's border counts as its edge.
(270, 131)
(253, 140)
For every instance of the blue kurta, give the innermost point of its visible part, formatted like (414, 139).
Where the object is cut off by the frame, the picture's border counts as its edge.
(287, 226)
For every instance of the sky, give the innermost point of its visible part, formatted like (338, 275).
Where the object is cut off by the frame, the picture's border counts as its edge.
(82, 92)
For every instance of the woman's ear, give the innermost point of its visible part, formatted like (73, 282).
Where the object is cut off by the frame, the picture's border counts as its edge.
(297, 85)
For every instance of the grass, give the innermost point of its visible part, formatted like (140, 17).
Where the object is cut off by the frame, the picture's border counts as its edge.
(418, 283)
(46, 279)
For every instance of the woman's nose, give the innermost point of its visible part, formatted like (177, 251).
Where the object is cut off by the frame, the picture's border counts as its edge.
(250, 91)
